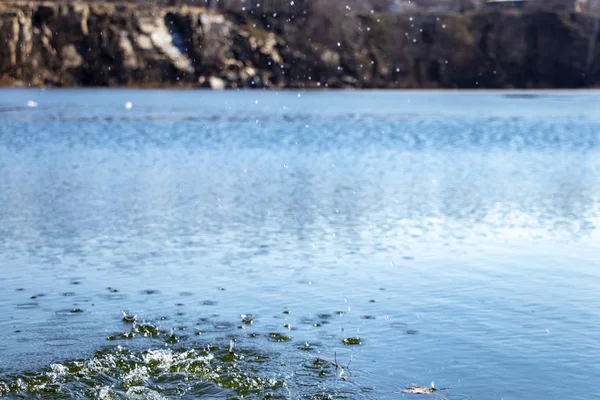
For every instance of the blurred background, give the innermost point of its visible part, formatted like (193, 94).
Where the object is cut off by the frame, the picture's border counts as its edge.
(301, 44)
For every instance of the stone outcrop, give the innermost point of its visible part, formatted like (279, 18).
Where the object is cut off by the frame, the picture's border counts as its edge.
(80, 44)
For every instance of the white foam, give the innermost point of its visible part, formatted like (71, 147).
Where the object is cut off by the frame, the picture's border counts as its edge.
(104, 393)
(140, 392)
(136, 376)
(57, 370)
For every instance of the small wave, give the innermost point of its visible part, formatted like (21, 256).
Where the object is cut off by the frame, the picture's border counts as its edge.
(149, 374)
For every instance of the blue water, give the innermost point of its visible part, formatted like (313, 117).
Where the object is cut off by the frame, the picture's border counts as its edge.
(456, 234)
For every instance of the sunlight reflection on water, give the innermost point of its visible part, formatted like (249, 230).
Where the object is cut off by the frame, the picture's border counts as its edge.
(455, 234)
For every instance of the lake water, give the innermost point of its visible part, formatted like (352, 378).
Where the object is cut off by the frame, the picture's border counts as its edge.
(455, 236)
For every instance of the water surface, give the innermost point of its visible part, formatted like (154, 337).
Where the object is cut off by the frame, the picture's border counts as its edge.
(455, 235)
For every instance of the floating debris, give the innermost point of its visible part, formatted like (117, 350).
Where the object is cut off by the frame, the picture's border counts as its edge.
(305, 347)
(32, 104)
(147, 330)
(278, 337)
(122, 336)
(352, 341)
(173, 372)
(415, 389)
(128, 105)
(335, 364)
(173, 339)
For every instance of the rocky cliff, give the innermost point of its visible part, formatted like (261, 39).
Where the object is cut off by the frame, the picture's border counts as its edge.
(79, 44)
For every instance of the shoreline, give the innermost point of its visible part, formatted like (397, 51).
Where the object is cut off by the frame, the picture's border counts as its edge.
(109, 45)
(593, 90)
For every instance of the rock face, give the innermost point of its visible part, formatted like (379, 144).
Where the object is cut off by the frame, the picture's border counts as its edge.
(79, 44)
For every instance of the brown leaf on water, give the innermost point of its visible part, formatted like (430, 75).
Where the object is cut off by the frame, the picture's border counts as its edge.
(414, 389)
